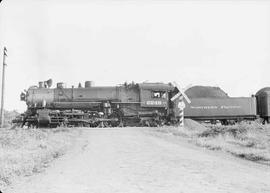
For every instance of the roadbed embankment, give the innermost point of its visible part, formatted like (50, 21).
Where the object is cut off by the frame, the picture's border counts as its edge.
(24, 152)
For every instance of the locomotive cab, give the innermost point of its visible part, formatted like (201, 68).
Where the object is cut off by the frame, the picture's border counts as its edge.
(155, 94)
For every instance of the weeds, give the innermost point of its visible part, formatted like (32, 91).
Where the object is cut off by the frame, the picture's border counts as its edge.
(249, 141)
(24, 152)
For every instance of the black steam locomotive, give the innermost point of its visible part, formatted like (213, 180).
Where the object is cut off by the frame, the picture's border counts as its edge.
(144, 104)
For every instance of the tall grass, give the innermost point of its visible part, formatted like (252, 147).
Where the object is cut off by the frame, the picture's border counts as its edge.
(245, 140)
(24, 152)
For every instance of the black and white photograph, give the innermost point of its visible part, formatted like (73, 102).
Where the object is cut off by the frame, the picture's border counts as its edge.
(134, 96)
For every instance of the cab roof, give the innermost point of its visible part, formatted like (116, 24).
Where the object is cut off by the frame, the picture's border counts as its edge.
(156, 86)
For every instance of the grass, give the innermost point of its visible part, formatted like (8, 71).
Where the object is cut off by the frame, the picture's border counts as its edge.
(249, 141)
(24, 152)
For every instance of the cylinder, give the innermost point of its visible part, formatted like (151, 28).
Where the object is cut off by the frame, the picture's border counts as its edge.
(88, 84)
(41, 84)
(43, 118)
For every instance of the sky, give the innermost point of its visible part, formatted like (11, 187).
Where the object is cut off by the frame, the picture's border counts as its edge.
(211, 43)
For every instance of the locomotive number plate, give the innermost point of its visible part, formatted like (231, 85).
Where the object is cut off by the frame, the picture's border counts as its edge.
(153, 102)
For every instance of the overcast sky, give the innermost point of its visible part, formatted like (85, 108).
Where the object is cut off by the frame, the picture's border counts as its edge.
(215, 43)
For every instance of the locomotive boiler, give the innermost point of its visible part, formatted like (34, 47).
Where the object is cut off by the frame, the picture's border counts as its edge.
(128, 104)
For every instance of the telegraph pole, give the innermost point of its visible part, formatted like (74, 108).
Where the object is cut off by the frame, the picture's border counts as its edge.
(3, 87)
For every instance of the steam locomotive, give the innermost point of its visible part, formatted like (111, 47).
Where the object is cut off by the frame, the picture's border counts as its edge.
(143, 104)
(146, 104)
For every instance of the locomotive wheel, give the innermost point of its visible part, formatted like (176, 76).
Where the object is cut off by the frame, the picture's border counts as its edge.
(94, 124)
(116, 115)
(53, 125)
(104, 124)
(162, 122)
(145, 123)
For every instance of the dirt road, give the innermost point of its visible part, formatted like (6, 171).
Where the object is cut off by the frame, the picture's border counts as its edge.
(133, 160)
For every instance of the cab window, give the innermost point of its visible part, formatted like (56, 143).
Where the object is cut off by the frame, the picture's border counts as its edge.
(159, 94)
